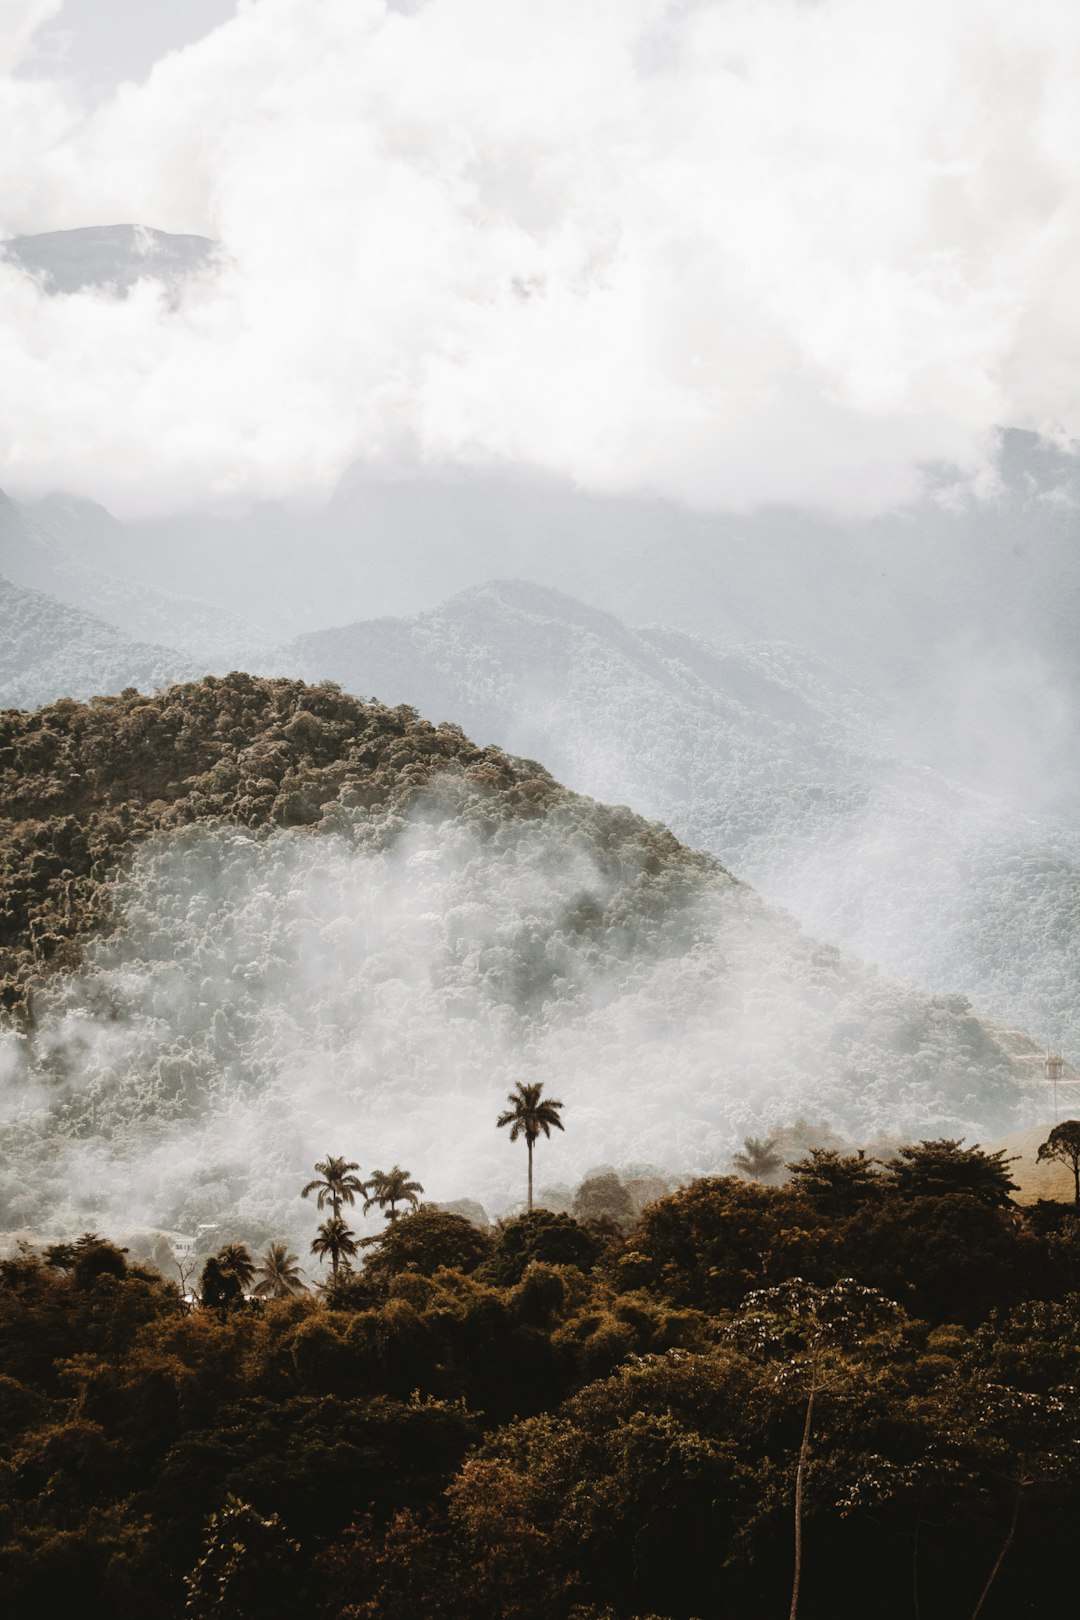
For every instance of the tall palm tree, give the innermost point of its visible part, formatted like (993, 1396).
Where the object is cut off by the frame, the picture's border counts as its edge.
(392, 1187)
(335, 1184)
(529, 1114)
(236, 1258)
(335, 1239)
(278, 1274)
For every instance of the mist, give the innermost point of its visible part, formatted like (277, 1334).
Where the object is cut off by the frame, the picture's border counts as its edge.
(737, 326)
(378, 990)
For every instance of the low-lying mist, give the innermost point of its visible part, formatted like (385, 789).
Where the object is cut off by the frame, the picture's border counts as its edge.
(955, 868)
(376, 991)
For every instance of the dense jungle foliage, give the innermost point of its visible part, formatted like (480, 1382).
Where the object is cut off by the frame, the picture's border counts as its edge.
(83, 785)
(561, 1418)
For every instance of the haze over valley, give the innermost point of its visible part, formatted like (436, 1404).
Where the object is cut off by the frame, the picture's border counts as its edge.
(539, 809)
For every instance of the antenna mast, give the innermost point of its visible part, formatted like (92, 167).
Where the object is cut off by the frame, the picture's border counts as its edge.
(1055, 1066)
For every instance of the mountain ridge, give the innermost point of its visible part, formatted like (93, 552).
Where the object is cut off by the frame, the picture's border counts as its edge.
(112, 258)
(243, 918)
(792, 775)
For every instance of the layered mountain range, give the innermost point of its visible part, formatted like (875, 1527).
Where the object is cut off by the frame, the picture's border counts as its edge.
(767, 756)
(246, 921)
(874, 722)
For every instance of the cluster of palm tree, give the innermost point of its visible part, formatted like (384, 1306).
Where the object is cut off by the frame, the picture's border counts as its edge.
(336, 1184)
(232, 1273)
(530, 1115)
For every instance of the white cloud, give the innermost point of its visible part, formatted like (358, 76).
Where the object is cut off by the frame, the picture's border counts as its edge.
(727, 252)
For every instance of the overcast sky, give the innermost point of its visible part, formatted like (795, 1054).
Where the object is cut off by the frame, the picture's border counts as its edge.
(101, 43)
(730, 251)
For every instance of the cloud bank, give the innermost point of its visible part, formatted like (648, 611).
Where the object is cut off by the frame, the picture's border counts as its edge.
(728, 253)
(380, 989)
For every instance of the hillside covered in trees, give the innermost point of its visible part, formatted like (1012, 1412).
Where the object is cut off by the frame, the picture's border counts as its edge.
(565, 1419)
(247, 917)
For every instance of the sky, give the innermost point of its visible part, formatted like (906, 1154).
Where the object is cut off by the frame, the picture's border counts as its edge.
(103, 43)
(727, 252)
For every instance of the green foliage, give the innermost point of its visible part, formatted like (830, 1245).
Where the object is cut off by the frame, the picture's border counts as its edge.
(710, 1243)
(248, 1567)
(834, 1183)
(235, 1259)
(94, 1259)
(1063, 1145)
(604, 1198)
(425, 1241)
(529, 1437)
(543, 1235)
(219, 1287)
(936, 1169)
(83, 784)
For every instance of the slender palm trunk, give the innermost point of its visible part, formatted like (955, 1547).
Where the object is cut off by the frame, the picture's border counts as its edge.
(1076, 1178)
(1005, 1545)
(800, 1476)
(529, 1145)
(915, 1566)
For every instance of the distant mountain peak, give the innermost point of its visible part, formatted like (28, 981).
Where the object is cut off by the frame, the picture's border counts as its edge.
(110, 257)
(541, 601)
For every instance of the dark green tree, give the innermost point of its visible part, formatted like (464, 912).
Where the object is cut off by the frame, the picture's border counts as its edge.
(426, 1241)
(604, 1198)
(63, 1255)
(529, 1114)
(807, 1335)
(541, 1234)
(711, 1242)
(95, 1258)
(219, 1289)
(835, 1183)
(1063, 1145)
(248, 1568)
(936, 1169)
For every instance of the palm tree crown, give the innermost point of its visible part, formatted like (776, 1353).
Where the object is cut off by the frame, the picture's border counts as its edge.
(335, 1184)
(278, 1274)
(236, 1259)
(335, 1239)
(530, 1113)
(391, 1187)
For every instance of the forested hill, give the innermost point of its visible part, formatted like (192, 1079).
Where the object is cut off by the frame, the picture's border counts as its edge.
(247, 919)
(48, 648)
(83, 784)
